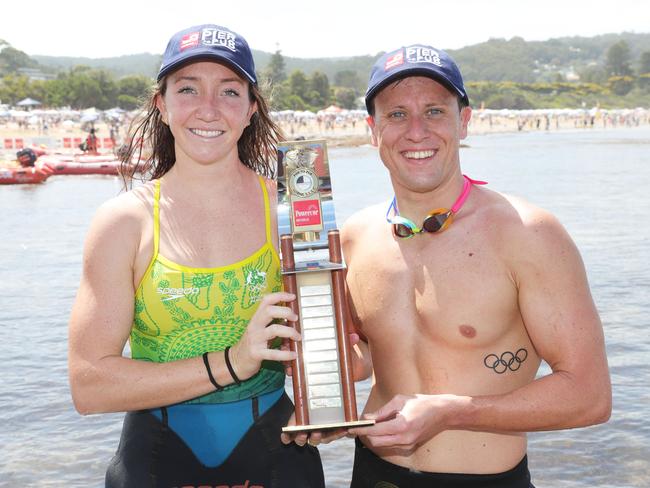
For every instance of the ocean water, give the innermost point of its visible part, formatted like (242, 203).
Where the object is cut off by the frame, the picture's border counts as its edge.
(594, 181)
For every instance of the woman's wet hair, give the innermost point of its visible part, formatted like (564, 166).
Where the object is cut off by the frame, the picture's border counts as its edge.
(150, 144)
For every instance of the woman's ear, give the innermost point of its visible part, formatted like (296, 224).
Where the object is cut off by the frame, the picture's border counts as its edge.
(251, 112)
(162, 108)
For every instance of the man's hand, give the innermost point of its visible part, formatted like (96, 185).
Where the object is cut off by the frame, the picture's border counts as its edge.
(407, 421)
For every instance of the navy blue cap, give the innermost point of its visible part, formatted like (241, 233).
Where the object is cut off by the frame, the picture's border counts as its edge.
(210, 42)
(415, 60)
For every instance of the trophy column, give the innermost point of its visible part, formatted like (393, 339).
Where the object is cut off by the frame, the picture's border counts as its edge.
(323, 384)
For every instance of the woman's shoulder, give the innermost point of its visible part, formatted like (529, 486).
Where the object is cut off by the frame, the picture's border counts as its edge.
(126, 211)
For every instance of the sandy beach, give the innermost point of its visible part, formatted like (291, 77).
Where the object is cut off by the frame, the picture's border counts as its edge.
(340, 131)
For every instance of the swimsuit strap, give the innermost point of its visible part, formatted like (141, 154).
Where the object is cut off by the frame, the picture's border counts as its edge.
(267, 210)
(156, 218)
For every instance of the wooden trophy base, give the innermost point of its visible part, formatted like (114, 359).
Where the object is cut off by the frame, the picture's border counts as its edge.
(329, 426)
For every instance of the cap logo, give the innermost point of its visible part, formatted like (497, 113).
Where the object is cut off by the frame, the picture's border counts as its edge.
(215, 37)
(394, 60)
(189, 40)
(418, 54)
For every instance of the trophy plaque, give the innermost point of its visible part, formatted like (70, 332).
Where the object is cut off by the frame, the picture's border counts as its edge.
(313, 270)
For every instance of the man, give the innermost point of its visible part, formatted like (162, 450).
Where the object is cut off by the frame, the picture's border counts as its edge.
(457, 310)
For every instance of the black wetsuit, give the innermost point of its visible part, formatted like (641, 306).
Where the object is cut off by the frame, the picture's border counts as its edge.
(370, 471)
(151, 454)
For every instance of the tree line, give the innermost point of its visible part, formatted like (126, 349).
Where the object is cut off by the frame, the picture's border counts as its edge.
(613, 84)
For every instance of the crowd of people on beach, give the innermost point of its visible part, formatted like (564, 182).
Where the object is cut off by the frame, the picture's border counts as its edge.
(341, 126)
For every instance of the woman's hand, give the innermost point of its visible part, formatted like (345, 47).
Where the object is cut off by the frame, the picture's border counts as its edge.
(254, 347)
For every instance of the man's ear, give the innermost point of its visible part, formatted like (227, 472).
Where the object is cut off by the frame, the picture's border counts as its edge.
(370, 120)
(465, 116)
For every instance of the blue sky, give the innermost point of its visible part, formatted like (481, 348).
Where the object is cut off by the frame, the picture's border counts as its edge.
(307, 28)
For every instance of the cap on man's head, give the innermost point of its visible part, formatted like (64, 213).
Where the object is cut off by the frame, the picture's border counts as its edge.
(209, 42)
(415, 60)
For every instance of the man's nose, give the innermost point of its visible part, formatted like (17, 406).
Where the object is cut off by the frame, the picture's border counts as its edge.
(417, 129)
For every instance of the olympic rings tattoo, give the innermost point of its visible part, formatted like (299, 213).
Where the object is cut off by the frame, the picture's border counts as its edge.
(507, 361)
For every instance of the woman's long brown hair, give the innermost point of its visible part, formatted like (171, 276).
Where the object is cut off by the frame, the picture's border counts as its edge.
(150, 144)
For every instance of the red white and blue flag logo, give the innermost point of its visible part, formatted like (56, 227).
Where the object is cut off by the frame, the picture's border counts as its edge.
(190, 40)
(396, 59)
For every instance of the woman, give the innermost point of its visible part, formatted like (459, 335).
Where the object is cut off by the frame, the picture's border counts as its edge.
(186, 269)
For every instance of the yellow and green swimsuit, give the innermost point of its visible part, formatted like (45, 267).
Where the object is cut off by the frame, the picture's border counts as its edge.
(182, 312)
(229, 437)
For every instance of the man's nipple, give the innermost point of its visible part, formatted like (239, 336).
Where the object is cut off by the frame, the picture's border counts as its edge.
(467, 331)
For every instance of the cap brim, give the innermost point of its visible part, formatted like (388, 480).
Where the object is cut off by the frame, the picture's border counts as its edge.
(175, 65)
(398, 75)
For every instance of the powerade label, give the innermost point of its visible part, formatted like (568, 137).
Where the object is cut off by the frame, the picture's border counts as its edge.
(306, 213)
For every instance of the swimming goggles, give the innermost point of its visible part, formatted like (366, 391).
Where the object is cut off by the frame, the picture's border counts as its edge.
(436, 221)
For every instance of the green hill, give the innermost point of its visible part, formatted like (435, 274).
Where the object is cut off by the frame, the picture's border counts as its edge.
(610, 70)
(539, 61)
(494, 60)
(134, 64)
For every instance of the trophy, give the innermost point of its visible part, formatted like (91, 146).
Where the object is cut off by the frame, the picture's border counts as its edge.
(313, 270)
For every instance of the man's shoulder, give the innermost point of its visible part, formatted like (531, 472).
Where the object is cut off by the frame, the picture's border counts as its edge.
(363, 226)
(528, 216)
(365, 219)
(525, 226)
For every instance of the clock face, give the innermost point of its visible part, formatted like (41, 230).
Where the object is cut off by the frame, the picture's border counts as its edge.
(303, 182)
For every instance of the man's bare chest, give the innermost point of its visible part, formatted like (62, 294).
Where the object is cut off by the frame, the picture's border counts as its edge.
(462, 296)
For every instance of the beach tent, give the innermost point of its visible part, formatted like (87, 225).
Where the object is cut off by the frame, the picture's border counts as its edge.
(28, 102)
(88, 118)
(332, 109)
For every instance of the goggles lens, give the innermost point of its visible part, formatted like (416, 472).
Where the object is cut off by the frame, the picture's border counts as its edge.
(437, 220)
(403, 231)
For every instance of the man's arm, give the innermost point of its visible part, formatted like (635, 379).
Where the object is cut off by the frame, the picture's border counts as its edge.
(361, 360)
(563, 324)
(565, 329)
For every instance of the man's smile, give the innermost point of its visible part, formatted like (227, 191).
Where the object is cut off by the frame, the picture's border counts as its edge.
(419, 154)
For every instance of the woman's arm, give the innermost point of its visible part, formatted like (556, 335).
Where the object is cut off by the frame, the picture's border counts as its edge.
(101, 379)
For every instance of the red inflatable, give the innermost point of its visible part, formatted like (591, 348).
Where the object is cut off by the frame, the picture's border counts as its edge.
(21, 176)
(63, 164)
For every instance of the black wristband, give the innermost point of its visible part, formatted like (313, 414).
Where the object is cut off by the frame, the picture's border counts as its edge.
(226, 355)
(207, 368)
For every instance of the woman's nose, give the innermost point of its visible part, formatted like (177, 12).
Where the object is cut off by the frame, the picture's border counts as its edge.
(209, 109)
